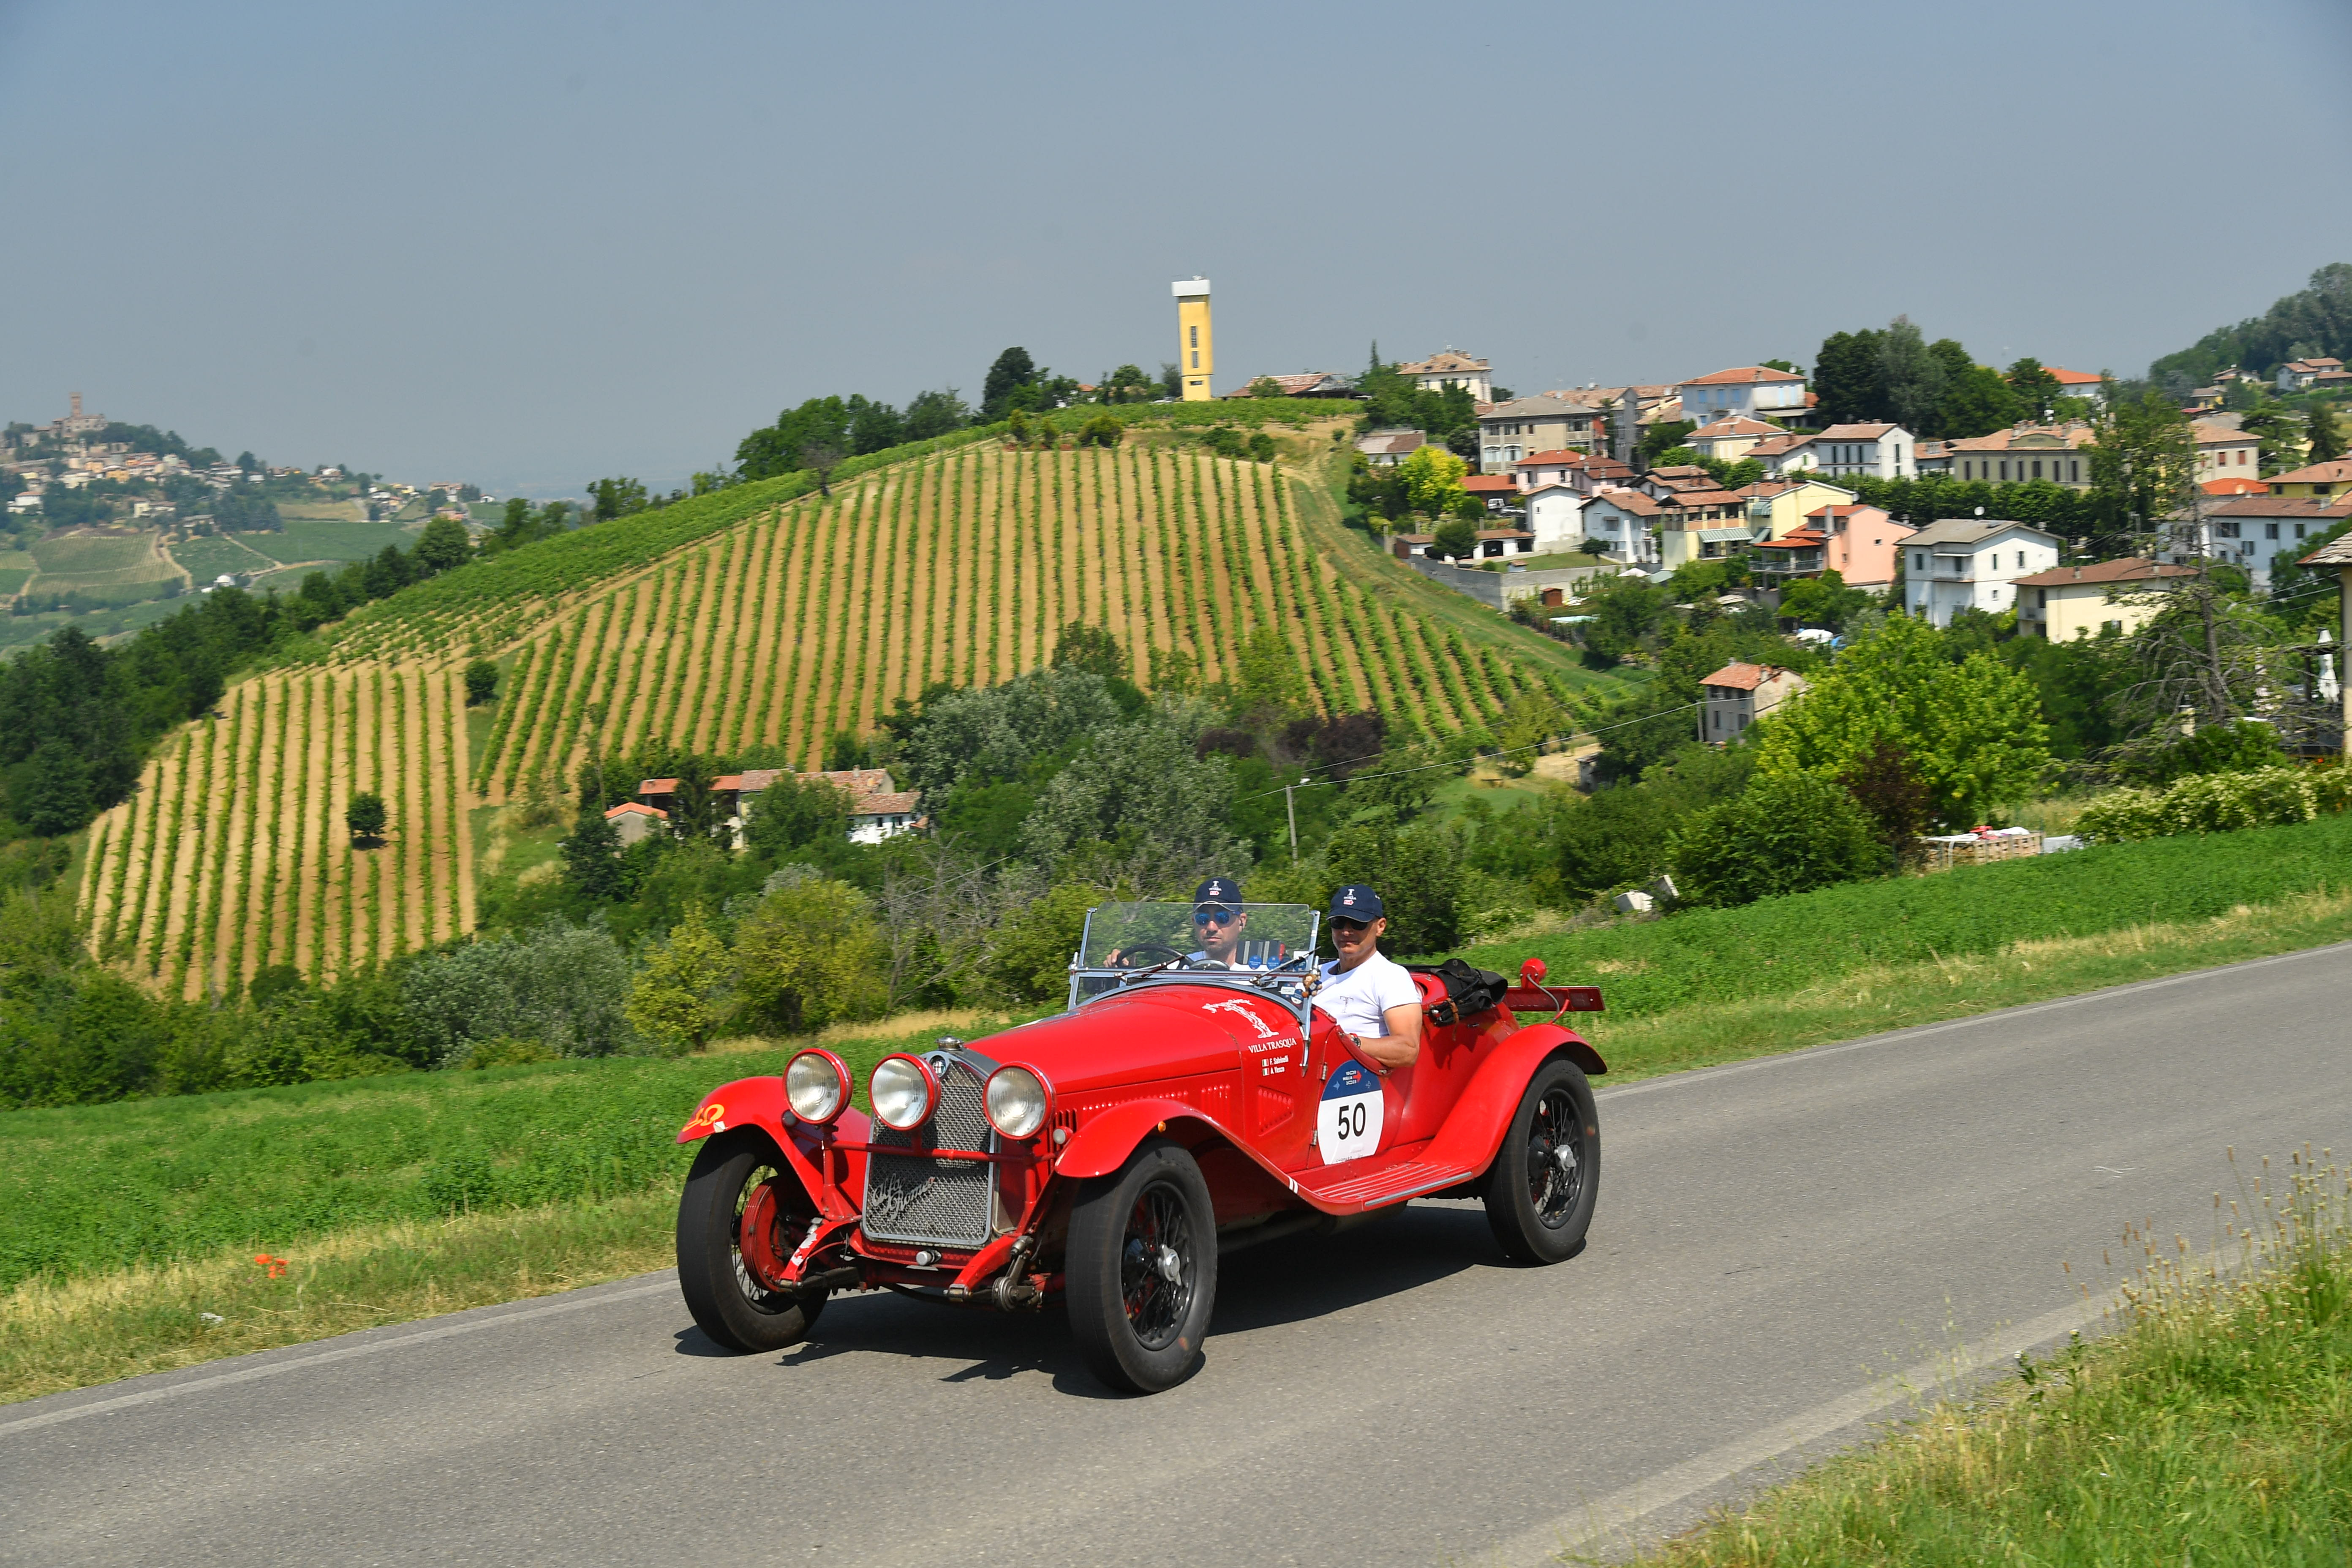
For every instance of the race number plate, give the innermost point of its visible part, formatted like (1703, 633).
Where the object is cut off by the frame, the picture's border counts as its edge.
(1350, 1125)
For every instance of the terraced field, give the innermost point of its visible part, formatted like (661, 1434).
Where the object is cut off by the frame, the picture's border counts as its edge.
(757, 615)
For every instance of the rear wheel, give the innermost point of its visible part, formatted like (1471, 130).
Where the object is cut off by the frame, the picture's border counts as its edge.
(1547, 1176)
(737, 1196)
(1141, 1270)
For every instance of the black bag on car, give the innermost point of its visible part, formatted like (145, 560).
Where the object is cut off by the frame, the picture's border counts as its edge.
(1467, 990)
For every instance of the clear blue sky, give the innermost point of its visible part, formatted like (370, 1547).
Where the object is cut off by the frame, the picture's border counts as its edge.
(534, 244)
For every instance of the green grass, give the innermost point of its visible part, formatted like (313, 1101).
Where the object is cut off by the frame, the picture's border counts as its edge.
(1784, 946)
(13, 578)
(92, 555)
(320, 539)
(2215, 1429)
(16, 631)
(209, 557)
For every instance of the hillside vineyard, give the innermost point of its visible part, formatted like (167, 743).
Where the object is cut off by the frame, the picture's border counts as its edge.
(793, 623)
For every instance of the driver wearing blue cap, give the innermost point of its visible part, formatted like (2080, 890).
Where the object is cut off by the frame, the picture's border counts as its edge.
(1370, 997)
(1218, 920)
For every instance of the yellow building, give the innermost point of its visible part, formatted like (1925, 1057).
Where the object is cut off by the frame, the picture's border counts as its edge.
(2318, 479)
(1196, 349)
(2070, 602)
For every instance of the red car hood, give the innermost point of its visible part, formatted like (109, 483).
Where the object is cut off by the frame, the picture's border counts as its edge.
(1167, 1031)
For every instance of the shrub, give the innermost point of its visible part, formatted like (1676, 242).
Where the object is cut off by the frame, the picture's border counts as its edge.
(365, 817)
(813, 954)
(2204, 803)
(686, 986)
(482, 681)
(1786, 833)
(558, 983)
(1102, 430)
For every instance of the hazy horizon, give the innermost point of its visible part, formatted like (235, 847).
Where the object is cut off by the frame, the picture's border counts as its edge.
(533, 246)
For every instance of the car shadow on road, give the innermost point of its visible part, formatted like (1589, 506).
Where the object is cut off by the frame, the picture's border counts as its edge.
(1295, 1279)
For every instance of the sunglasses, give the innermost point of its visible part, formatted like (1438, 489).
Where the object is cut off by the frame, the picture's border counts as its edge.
(1212, 917)
(1351, 927)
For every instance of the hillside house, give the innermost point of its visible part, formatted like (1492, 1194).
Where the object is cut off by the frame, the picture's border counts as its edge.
(1876, 451)
(2314, 480)
(1750, 391)
(2079, 383)
(1783, 456)
(1452, 368)
(1559, 466)
(1971, 563)
(1932, 457)
(1387, 448)
(2303, 374)
(1778, 508)
(2070, 602)
(1555, 515)
(1738, 695)
(1499, 541)
(878, 809)
(1575, 420)
(1860, 543)
(2023, 453)
(2224, 452)
(1498, 491)
(2253, 532)
(1307, 384)
(1731, 438)
(1622, 523)
(633, 820)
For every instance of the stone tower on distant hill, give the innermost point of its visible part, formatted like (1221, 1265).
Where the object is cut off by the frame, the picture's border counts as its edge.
(1196, 349)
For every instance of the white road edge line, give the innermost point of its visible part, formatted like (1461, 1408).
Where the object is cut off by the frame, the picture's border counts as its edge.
(345, 1353)
(1610, 1522)
(1919, 1032)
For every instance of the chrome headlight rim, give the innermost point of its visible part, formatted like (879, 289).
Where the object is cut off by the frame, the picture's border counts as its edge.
(875, 1092)
(1012, 1124)
(834, 1065)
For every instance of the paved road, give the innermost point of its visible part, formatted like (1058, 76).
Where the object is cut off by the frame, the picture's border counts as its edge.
(1777, 1242)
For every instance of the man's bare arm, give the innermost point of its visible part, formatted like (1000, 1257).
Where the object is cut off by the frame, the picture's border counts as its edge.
(1401, 1047)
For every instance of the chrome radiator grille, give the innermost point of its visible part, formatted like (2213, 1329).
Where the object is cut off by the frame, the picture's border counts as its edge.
(944, 1202)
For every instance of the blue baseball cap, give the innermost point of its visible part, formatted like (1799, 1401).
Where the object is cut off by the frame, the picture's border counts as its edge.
(1218, 891)
(1355, 902)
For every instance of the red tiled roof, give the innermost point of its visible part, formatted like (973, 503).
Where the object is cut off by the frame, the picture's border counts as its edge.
(2127, 569)
(634, 808)
(2071, 377)
(1742, 375)
(1491, 483)
(657, 786)
(1855, 432)
(2238, 487)
(1557, 457)
(1744, 677)
(1733, 425)
(2333, 473)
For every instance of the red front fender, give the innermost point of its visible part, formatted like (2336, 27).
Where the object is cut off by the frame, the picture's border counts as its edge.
(1473, 1129)
(835, 1178)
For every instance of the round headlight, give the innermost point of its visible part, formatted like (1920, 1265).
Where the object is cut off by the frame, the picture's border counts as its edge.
(816, 1086)
(1016, 1102)
(902, 1089)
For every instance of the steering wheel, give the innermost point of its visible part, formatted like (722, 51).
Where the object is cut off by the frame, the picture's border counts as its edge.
(1149, 955)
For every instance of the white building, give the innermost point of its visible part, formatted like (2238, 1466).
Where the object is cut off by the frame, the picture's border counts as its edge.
(1624, 524)
(1555, 514)
(1971, 563)
(1738, 694)
(2255, 531)
(1877, 451)
(1750, 391)
(1452, 368)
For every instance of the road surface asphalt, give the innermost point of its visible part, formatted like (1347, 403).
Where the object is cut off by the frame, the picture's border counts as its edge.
(1783, 1247)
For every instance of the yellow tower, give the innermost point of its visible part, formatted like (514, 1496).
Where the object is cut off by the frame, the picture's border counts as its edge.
(1196, 352)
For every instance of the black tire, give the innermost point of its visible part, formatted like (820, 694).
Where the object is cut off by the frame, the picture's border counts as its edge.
(1546, 1178)
(1140, 1270)
(732, 1307)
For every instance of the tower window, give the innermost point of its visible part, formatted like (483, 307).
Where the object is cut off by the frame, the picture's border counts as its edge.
(1196, 359)
(1196, 340)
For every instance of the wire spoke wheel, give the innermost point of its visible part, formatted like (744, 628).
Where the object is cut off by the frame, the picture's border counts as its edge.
(1555, 1159)
(1540, 1190)
(1156, 1272)
(738, 1219)
(759, 1217)
(1141, 1269)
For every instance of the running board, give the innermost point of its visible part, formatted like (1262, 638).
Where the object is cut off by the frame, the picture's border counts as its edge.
(1379, 1188)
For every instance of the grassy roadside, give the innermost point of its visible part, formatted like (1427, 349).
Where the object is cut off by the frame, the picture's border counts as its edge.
(121, 1226)
(2216, 1428)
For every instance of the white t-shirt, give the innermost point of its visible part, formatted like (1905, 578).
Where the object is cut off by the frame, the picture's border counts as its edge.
(1359, 1000)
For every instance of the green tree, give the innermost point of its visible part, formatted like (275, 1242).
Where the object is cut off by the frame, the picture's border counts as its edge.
(1269, 685)
(1977, 400)
(1266, 386)
(1261, 446)
(1786, 833)
(1824, 600)
(2327, 436)
(482, 681)
(2037, 390)
(2143, 462)
(821, 458)
(931, 414)
(813, 954)
(1973, 733)
(54, 795)
(1102, 430)
(592, 866)
(1456, 537)
(1849, 378)
(1912, 377)
(694, 809)
(797, 811)
(1091, 649)
(1029, 957)
(1128, 384)
(617, 497)
(1626, 610)
(365, 817)
(1433, 480)
(1666, 436)
(444, 545)
(682, 992)
(1009, 379)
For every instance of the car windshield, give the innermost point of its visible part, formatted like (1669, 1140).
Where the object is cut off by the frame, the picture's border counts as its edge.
(1234, 936)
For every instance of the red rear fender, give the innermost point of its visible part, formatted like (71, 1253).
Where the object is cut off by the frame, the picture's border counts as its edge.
(1475, 1130)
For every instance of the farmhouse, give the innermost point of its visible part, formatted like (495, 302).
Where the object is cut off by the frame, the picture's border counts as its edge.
(1738, 694)
(2069, 602)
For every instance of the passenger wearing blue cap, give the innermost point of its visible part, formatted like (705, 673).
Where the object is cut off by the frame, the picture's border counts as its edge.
(1218, 919)
(1371, 998)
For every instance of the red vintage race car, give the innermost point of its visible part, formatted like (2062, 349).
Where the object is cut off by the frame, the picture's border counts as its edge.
(1183, 1107)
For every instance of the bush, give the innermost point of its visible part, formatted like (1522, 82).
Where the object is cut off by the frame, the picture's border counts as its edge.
(1102, 430)
(2204, 803)
(481, 683)
(813, 954)
(560, 984)
(1786, 833)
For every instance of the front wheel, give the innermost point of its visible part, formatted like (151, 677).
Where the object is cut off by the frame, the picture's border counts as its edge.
(1141, 1270)
(736, 1196)
(1547, 1175)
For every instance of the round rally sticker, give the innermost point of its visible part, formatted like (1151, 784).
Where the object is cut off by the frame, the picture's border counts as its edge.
(1350, 1125)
